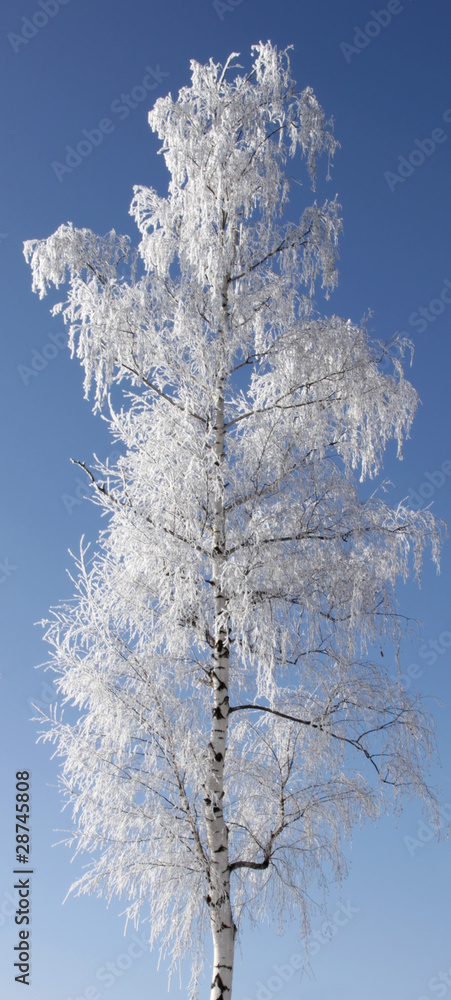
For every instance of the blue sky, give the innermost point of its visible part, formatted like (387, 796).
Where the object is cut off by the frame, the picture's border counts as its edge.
(388, 90)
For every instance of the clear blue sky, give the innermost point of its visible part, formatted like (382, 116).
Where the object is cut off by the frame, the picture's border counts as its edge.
(386, 97)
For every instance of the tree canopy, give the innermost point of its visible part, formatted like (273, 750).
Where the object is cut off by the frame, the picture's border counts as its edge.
(234, 718)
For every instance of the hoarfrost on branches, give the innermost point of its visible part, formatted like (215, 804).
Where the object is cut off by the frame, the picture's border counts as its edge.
(231, 723)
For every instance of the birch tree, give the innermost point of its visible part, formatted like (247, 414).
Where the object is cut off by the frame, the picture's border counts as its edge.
(226, 716)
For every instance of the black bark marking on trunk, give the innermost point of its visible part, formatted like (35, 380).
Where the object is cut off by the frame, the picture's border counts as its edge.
(218, 683)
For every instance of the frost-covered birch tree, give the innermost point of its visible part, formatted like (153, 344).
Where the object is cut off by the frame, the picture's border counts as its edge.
(226, 716)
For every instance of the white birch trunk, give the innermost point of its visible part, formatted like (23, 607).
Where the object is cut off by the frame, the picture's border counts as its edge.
(221, 917)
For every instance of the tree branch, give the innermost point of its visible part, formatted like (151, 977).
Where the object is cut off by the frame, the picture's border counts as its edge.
(316, 725)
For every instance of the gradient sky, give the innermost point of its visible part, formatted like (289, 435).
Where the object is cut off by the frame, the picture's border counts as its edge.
(388, 90)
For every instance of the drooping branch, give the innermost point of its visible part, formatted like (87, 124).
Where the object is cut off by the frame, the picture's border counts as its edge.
(317, 725)
(163, 395)
(101, 488)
